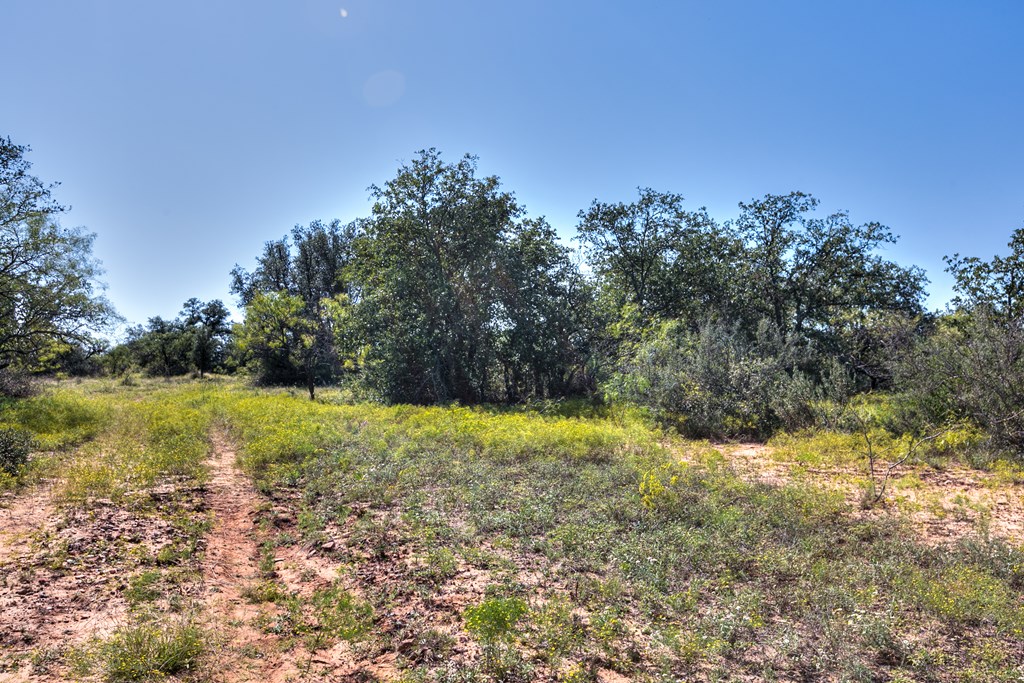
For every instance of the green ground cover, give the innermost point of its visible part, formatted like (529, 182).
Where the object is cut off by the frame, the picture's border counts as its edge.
(536, 544)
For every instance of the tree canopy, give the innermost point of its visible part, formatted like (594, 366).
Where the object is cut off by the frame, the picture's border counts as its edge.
(462, 297)
(50, 295)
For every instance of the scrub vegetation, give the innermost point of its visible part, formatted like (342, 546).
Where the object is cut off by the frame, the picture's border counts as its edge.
(553, 542)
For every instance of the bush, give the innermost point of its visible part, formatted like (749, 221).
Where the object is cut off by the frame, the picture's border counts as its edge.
(717, 382)
(15, 445)
(16, 384)
(970, 368)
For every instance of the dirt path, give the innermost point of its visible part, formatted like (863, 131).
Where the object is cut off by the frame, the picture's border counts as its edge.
(231, 564)
(20, 516)
(251, 646)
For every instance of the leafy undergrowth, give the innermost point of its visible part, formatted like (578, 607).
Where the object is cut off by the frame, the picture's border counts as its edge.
(517, 546)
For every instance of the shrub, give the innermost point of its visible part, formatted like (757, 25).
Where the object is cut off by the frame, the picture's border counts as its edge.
(970, 368)
(15, 384)
(15, 445)
(716, 382)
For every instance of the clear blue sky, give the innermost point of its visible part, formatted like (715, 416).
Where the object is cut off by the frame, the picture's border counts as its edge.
(188, 133)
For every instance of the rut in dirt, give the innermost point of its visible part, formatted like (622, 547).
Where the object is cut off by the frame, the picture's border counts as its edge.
(238, 548)
(230, 564)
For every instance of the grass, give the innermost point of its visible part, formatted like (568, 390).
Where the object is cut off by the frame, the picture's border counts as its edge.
(58, 418)
(160, 435)
(659, 568)
(151, 651)
(562, 541)
(104, 442)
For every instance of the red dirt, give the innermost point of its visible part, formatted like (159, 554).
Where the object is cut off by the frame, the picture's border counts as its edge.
(230, 564)
(56, 590)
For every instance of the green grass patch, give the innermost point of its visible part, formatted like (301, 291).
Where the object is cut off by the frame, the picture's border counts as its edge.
(159, 435)
(150, 651)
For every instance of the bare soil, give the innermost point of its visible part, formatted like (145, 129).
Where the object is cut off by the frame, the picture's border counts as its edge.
(57, 586)
(944, 505)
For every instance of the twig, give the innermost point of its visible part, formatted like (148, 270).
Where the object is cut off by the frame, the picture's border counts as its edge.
(878, 492)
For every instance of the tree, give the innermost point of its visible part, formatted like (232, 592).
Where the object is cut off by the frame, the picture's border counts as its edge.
(284, 336)
(460, 296)
(162, 347)
(971, 366)
(294, 303)
(802, 272)
(207, 324)
(628, 243)
(543, 318)
(996, 285)
(195, 340)
(48, 276)
(659, 259)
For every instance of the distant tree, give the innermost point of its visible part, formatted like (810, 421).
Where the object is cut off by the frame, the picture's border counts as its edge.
(294, 300)
(207, 324)
(543, 318)
(284, 336)
(48, 277)
(161, 347)
(195, 340)
(816, 279)
(118, 360)
(996, 285)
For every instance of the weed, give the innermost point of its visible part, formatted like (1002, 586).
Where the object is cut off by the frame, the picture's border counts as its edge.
(311, 526)
(143, 588)
(42, 661)
(144, 651)
(495, 618)
(601, 547)
(267, 560)
(559, 631)
(335, 615)
(263, 591)
(441, 565)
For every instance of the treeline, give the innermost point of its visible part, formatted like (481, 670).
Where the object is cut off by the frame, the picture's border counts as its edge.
(450, 291)
(197, 341)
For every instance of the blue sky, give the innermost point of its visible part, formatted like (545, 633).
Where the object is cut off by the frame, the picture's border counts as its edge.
(187, 134)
